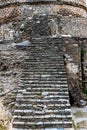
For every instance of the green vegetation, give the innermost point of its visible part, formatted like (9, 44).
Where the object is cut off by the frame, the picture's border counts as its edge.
(2, 127)
(79, 125)
(74, 126)
(78, 114)
(85, 91)
(83, 52)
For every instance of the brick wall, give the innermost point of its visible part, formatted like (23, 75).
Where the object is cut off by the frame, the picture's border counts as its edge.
(59, 9)
(82, 2)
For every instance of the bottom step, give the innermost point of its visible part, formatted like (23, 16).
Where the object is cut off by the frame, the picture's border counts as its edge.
(46, 129)
(42, 125)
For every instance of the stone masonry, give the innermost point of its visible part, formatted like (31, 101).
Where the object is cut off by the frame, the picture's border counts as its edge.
(42, 100)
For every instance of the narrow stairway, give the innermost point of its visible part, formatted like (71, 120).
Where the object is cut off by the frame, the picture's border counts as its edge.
(42, 101)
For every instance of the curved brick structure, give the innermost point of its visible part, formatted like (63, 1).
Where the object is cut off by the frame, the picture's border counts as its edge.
(64, 10)
(81, 2)
(63, 7)
(76, 7)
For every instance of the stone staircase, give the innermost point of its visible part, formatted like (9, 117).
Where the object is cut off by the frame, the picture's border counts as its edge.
(42, 101)
(40, 26)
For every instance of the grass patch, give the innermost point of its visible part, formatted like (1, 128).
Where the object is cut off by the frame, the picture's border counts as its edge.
(78, 114)
(81, 124)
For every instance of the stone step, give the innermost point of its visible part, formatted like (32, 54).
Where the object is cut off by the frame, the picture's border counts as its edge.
(45, 53)
(42, 75)
(37, 82)
(53, 128)
(35, 65)
(52, 73)
(67, 105)
(39, 68)
(47, 91)
(60, 101)
(35, 72)
(38, 58)
(45, 65)
(43, 72)
(44, 57)
(39, 43)
(39, 91)
(43, 78)
(56, 53)
(50, 87)
(51, 93)
(45, 47)
(39, 125)
(54, 65)
(41, 106)
(43, 99)
(43, 85)
(37, 112)
(42, 118)
(40, 98)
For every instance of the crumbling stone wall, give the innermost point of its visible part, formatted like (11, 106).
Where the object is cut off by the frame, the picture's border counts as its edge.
(76, 27)
(72, 58)
(14, 23)
(75, 57)
(7, 32)
(84, 62)
(70, 19)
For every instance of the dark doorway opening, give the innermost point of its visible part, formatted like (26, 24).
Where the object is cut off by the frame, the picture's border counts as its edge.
(71, 100)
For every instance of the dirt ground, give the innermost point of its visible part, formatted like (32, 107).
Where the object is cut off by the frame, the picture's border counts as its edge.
(79, 118)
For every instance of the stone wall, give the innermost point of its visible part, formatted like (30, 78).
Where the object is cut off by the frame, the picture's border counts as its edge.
(73, 26)
(62, 25)
(70, 21)
(15, 28)
(7, 32)
(84, 62)
(72, 58)
(75, 57)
